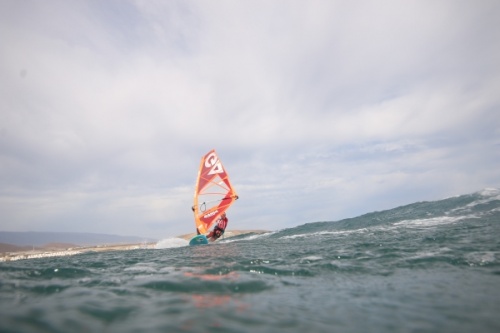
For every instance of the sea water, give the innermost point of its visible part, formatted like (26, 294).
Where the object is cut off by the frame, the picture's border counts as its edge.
(424, 267)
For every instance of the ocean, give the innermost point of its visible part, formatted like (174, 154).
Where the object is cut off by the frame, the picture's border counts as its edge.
(424, 267)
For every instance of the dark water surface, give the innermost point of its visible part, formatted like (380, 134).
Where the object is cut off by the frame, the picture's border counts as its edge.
(425, 267)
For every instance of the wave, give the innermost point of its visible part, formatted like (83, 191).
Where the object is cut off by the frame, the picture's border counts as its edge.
(418, 215)
(477, 205)
(246, 237)
(434, 221)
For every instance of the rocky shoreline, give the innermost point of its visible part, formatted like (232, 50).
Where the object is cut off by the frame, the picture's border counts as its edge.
(52, 252)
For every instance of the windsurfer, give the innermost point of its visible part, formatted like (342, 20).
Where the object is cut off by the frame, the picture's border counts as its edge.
(219, 228)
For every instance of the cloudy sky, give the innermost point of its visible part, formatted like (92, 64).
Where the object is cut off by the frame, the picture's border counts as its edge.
(320, 110)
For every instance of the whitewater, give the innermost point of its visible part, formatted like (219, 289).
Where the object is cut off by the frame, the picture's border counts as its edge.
(424, 267)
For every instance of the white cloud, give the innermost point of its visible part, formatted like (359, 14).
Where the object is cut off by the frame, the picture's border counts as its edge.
(320, 109)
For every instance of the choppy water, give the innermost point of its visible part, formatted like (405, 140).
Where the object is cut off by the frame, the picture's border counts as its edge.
(425, 267)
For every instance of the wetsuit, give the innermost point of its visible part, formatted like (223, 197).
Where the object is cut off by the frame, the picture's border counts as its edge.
(219, 228)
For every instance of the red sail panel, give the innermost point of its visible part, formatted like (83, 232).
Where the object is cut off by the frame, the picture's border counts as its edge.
(214, 193)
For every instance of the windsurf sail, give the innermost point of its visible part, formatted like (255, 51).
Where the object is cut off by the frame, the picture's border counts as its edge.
(213, 194)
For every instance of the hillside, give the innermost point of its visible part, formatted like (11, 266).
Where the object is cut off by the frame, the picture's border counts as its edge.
(4, 247)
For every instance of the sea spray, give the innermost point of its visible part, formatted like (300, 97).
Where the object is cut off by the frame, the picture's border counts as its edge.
(171, 243)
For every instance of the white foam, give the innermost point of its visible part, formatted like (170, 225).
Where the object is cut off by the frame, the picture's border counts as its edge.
(311, 258)
(490, 192)
(321, 233)
(486, 198)
(142, 267)
(429, 254)
(433, 221)
(482, 258)
(249, 237)
(170, 243)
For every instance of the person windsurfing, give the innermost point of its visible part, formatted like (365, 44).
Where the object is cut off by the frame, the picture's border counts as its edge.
(219, 228)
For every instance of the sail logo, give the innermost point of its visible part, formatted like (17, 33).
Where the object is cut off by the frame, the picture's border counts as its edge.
(210, 214)
(212, 161)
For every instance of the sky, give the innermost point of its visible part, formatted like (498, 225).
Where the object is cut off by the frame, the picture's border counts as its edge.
(319, 110)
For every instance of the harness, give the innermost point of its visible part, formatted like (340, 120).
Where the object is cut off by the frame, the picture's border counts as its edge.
(217, 228)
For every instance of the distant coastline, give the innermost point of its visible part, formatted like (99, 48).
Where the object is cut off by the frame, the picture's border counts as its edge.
(42, 238)
(9, 252)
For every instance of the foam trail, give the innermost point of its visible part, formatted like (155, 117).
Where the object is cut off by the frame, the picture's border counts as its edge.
(170, 243)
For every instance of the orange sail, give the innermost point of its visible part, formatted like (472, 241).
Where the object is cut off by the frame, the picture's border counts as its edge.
(213, 194)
